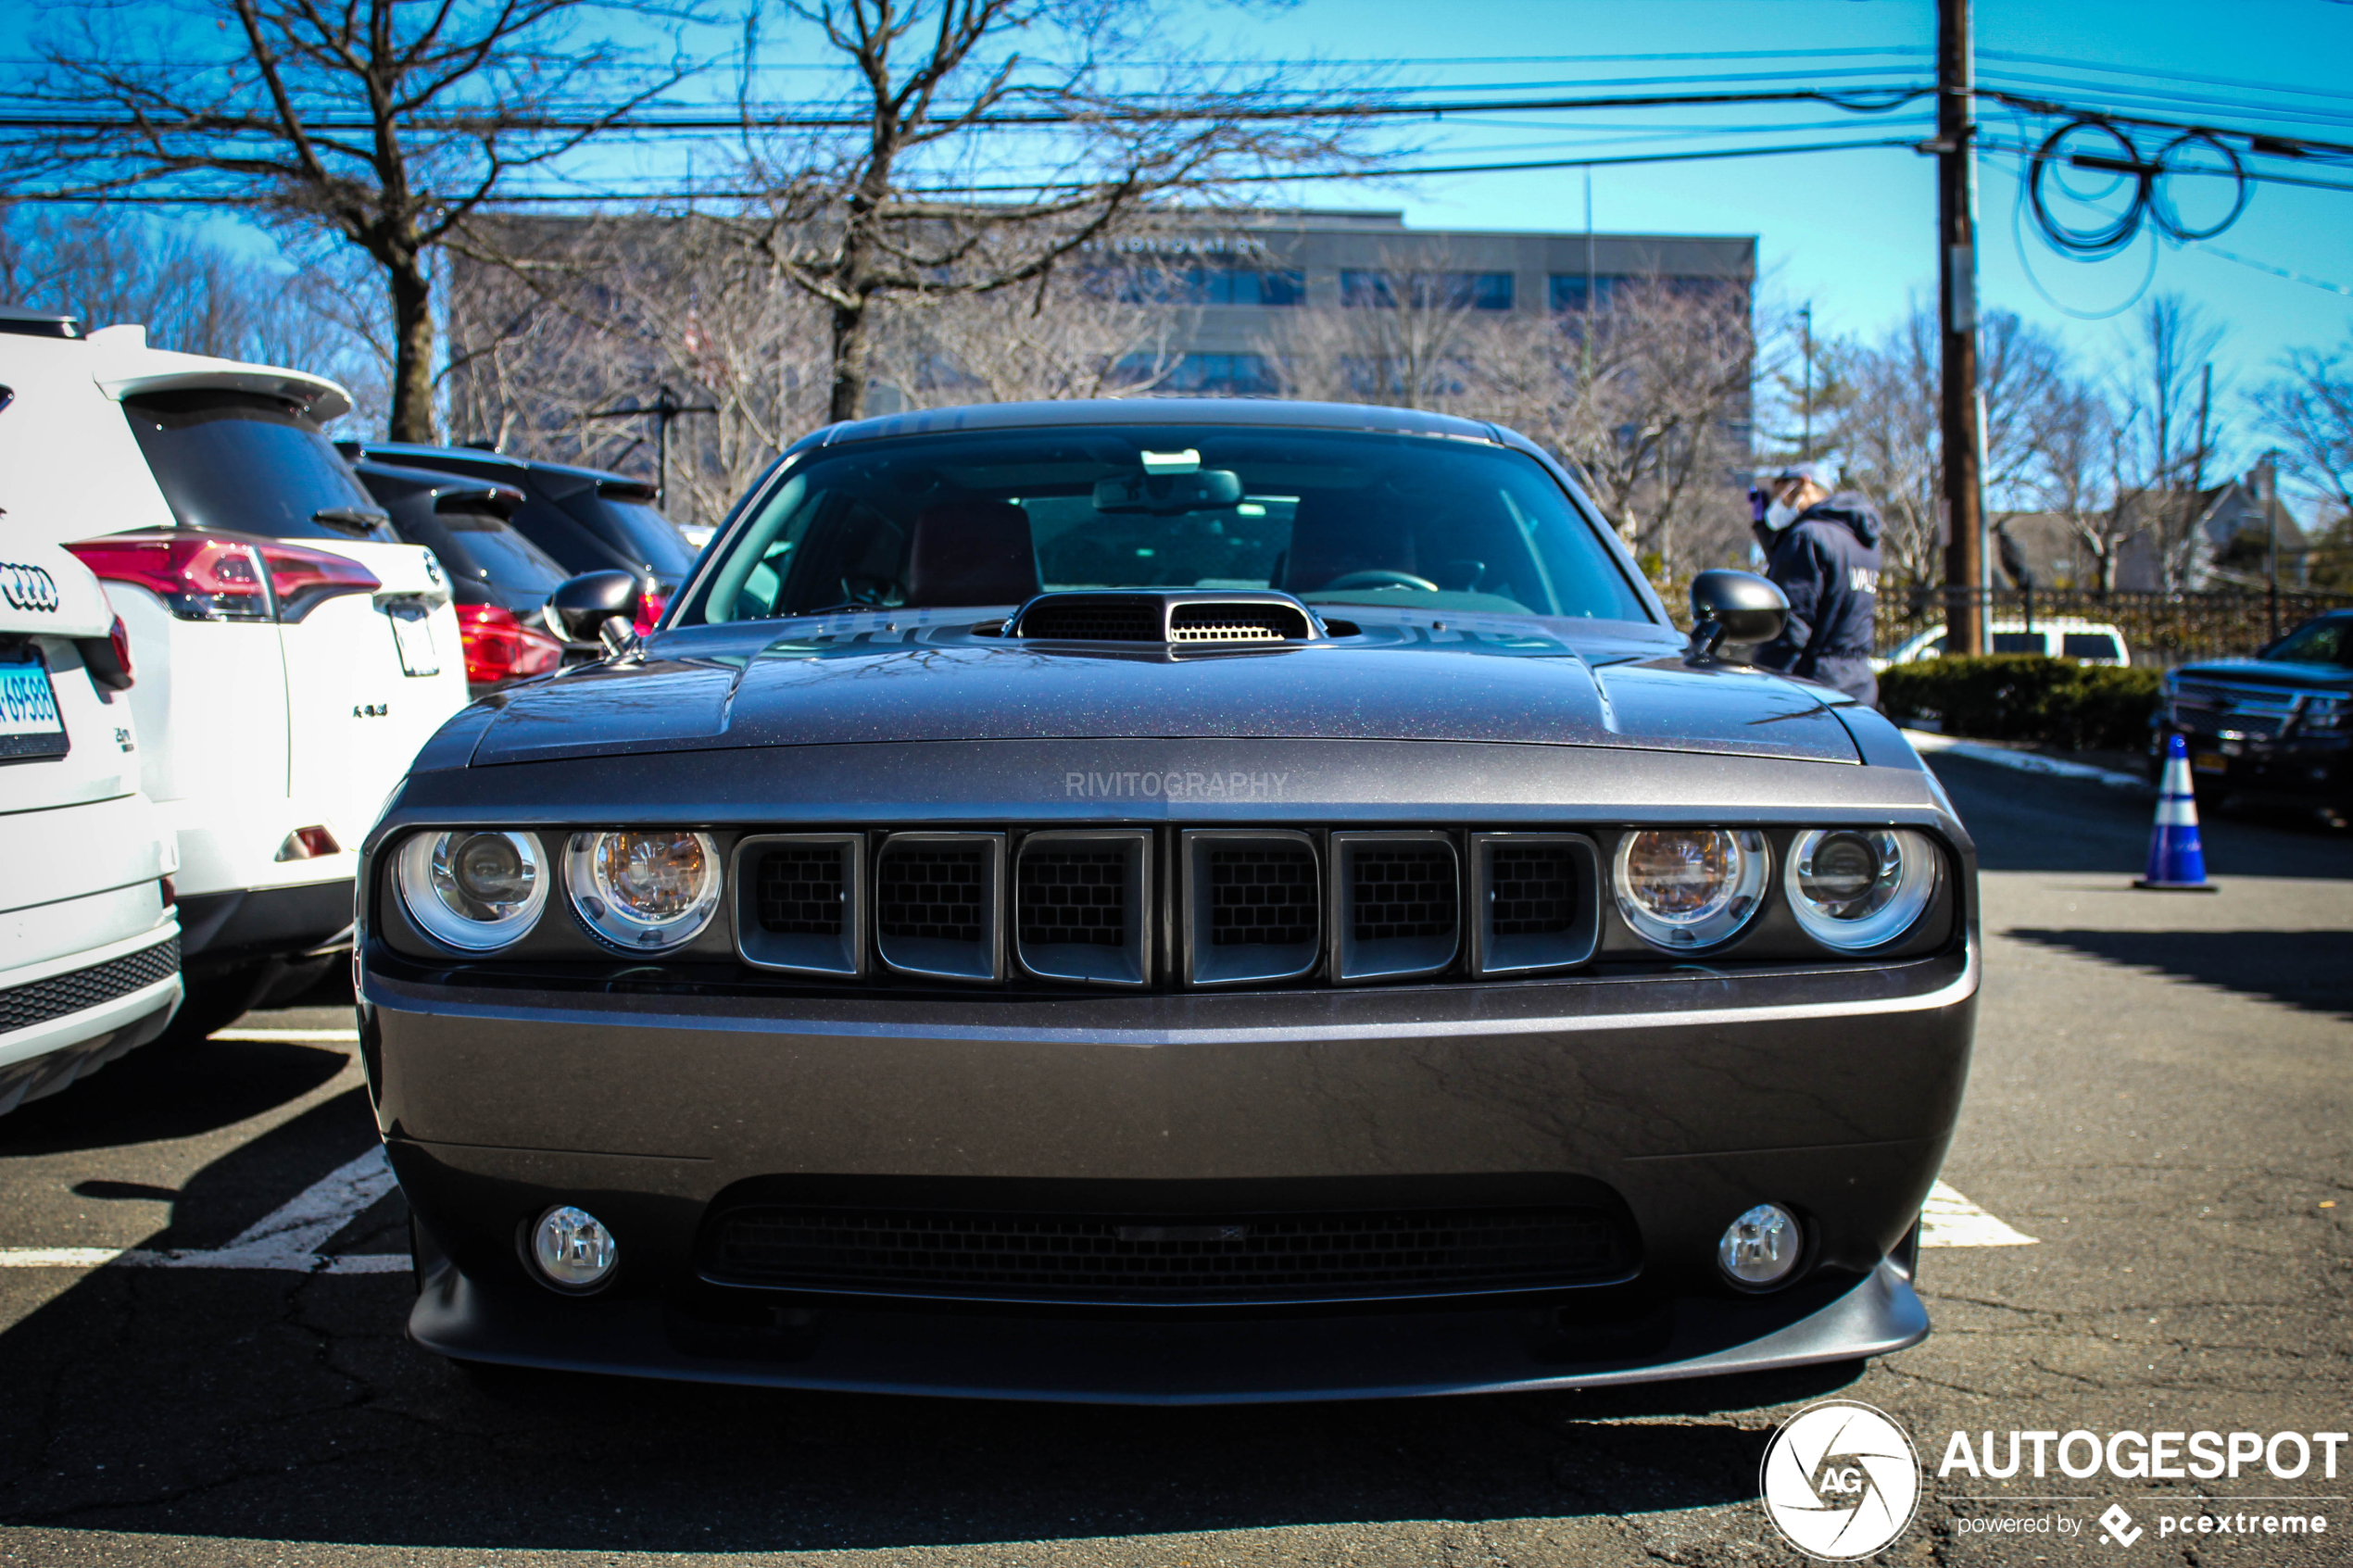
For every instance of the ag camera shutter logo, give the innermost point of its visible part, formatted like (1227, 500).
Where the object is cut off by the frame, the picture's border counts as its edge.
(1840, 1480)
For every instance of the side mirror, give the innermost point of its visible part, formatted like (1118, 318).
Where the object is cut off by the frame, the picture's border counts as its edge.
(1733, 606)
(586, 606)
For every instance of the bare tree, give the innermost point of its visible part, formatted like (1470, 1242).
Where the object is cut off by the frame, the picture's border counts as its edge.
(1403, 336)
(2164, 437)
(1071, 334)
(2075, 479)
(386, 124)
(2310, 409)
(886, 207)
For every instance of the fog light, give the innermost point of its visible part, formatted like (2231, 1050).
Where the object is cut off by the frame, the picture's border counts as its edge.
(1761, 1247)
(573, 1249)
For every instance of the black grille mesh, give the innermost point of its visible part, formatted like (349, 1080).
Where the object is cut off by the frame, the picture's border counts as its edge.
(1095, 623)
(1236, 623)
(1534, 890)
(21, 1007)
(1074, 895)
(1261, 895)
(1112, 1259)
(934, 893)
(800, 891)
(1404, 891)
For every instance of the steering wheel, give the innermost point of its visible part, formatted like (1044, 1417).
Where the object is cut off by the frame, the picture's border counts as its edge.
(1381, 578)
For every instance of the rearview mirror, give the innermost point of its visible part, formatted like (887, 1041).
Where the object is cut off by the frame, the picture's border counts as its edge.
(1733, 606)
(1168, 494)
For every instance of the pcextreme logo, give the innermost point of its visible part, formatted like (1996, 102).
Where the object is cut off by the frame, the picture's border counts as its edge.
(1840, 1480)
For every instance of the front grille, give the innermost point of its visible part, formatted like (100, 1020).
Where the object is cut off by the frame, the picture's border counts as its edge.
(21, 1007)
(1074, 895)
(801, 892)
(931, 894)
(1236, 623)
(1162, 1260)
(1094, 623)
(1533, 891)
(1262, 897)
(1403, 892)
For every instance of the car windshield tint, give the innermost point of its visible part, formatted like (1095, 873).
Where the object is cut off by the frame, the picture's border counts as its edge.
(2322, 642)
(656, 544)
(1337, 518)
(249, 465)
(503, 556)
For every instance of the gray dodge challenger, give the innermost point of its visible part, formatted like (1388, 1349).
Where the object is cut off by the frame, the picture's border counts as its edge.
(1167, 902)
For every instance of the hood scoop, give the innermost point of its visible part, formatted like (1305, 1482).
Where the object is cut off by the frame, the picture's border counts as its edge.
(1197, 619)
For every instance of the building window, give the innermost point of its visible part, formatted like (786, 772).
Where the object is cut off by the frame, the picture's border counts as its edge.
(1448, 290)
(1197, 285)
(1569, 290)
(1207, 375)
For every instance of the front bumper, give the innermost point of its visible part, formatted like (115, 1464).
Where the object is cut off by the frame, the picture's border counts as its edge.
(2296, 768)
(1687, 1096)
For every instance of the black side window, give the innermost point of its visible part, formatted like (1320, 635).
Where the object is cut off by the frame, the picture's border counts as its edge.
(233, 461)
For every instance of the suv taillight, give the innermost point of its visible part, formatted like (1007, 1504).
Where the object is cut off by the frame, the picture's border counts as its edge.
(201, 577)
(215, 577)
(500, 647)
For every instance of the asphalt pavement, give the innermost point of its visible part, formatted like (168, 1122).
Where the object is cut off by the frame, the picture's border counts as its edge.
(2159, 1101)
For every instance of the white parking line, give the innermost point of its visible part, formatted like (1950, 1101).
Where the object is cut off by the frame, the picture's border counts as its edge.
(1950, 1220)
(286, 1239)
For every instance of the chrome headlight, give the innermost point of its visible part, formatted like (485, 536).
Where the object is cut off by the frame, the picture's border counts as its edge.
(1690, 887)
(645, 890)
(1853, 889)
(477, 891)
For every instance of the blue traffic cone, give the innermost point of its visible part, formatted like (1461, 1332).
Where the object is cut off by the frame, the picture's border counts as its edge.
(2177, 862)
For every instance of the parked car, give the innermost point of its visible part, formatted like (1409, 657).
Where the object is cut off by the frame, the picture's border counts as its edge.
(294, 653)
(89, 942)
(2276, 727)
(2087, 642)
(1169, 901)
(500, 580)
(585, 519)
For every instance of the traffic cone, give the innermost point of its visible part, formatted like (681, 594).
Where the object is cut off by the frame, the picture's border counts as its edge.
(2177, 862)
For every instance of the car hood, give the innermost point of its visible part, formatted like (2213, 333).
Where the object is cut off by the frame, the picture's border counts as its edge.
(2266, 672)
(926, 682)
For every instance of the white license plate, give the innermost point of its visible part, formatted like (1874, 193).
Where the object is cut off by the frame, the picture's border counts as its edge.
(29, 723)
(414, 633)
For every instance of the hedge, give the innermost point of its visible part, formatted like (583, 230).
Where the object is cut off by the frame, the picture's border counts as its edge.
(2026, 697)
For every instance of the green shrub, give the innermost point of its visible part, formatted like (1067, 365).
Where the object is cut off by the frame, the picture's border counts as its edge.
(2026, 697)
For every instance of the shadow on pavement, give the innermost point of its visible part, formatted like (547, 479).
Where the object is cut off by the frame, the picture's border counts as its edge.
(2032, 822)
(246, 1403)
(2305, 969)
(170, 1091)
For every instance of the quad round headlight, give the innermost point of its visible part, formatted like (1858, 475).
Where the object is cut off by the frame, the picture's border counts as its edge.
(1690, 887)
(477, 891)
(645, 890)
(1857, 888)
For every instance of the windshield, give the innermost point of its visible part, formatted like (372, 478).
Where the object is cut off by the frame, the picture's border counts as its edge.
(2322, 642)
(651, 539)
(1337, 518)
(234, 461)
(500, 554)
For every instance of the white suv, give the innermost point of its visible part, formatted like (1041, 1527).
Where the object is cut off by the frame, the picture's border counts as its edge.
(292, 654)
(89, 948)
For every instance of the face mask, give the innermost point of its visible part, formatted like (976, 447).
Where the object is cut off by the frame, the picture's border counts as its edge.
(1780, 515)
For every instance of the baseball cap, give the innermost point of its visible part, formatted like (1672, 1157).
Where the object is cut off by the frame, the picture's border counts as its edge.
(1823, 474)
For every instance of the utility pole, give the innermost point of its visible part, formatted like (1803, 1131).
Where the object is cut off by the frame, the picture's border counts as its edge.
(1956, 298)
(664, 409)
(2271, 540)
(1805, 441)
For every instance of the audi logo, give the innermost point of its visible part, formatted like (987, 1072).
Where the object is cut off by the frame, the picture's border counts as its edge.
(27, 587)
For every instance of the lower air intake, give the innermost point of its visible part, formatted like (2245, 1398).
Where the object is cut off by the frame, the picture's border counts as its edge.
(1163, 1260)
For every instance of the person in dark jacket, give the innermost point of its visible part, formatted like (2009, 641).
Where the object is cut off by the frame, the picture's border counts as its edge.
(1822, 551)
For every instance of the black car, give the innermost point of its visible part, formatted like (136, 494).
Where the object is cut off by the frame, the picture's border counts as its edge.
(499, 580)
(2271, 728)
(586, 519)
(1169, 901)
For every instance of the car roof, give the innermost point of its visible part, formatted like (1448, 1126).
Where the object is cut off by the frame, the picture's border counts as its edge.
(436, 484)
(1241, 412)
(484, 460)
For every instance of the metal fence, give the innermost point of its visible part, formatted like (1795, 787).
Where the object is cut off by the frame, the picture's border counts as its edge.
(2162, 630)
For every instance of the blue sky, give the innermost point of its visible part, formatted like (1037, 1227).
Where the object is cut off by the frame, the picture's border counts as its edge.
(1855, 232)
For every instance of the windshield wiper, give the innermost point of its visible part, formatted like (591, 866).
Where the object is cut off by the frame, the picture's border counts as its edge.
(356, 521)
